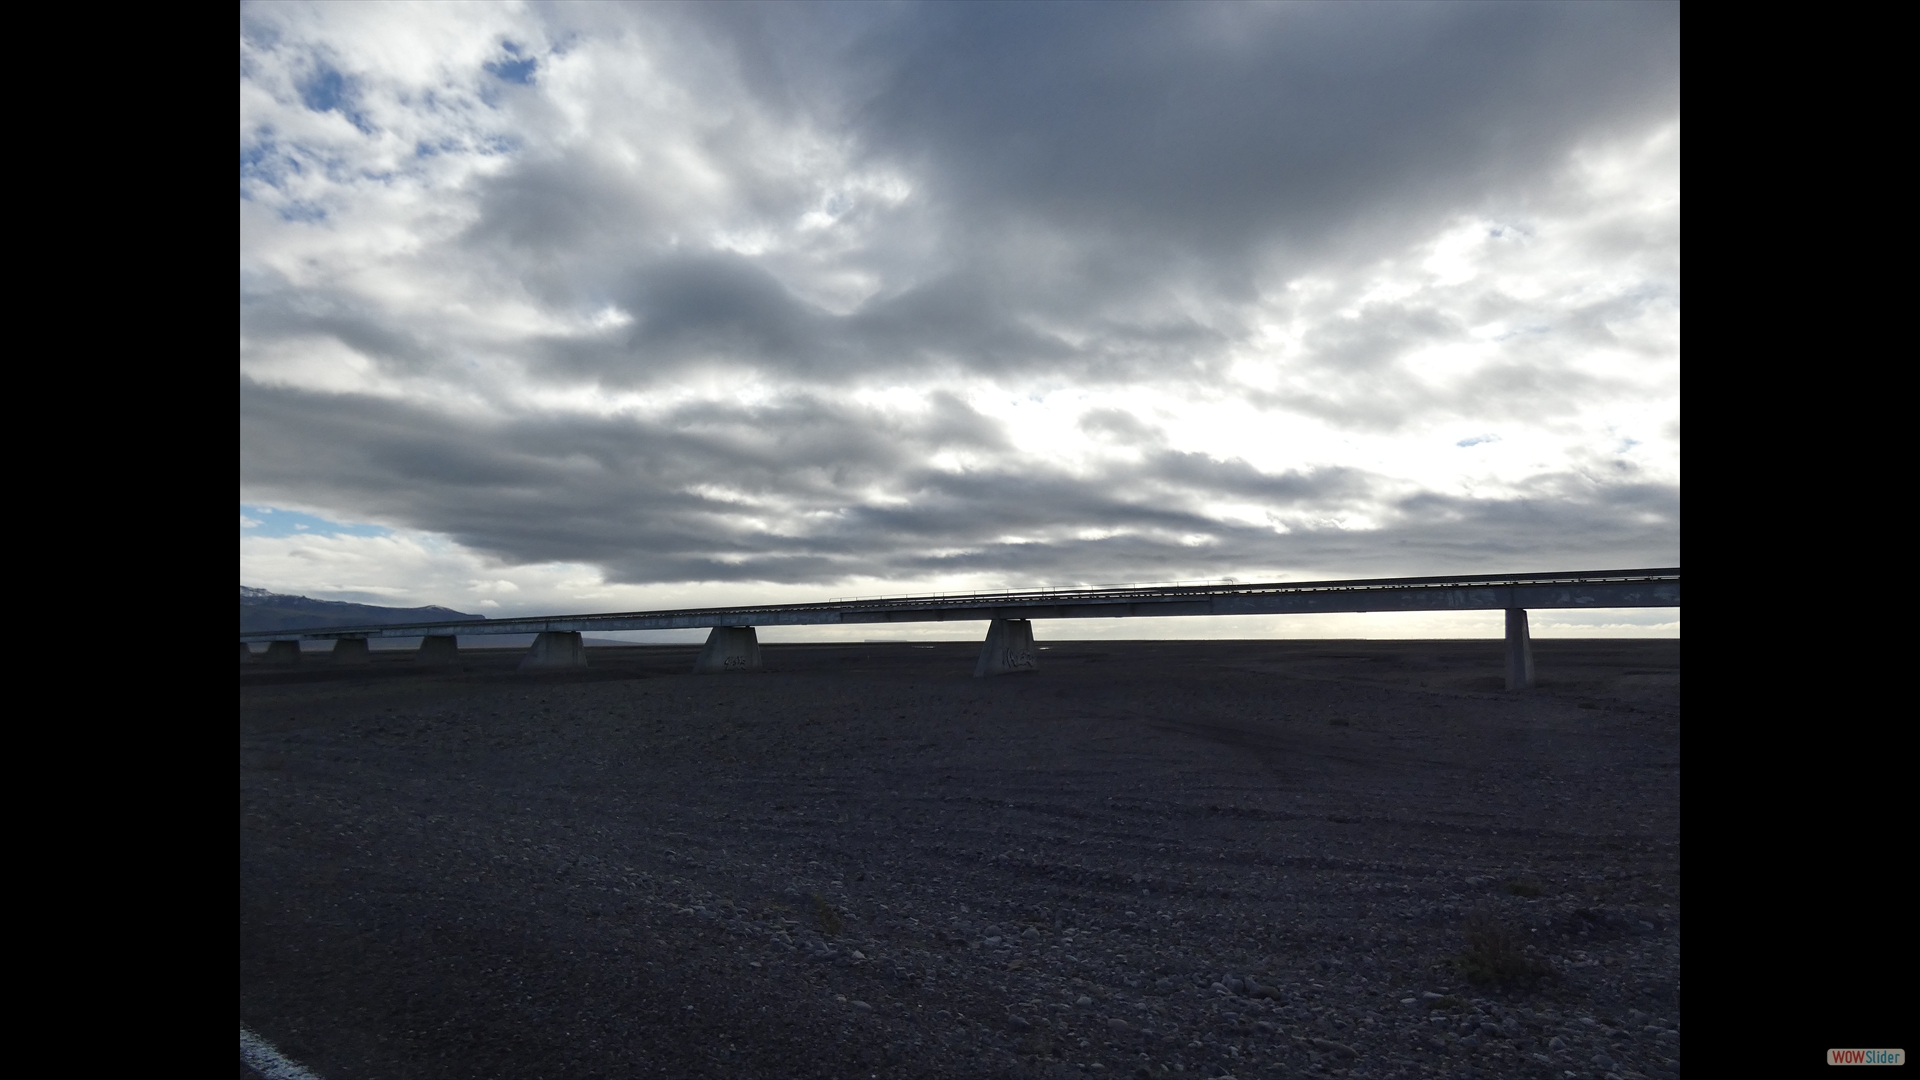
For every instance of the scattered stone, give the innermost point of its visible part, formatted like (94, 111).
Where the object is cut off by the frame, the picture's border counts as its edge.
(1119, 1026)
(1083, 1001)
(1557, 1043)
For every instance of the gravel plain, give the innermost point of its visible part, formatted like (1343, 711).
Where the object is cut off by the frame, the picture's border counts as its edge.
(1146, 859)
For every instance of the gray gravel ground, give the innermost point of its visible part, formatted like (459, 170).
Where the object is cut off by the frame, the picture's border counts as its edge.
(1256, 859)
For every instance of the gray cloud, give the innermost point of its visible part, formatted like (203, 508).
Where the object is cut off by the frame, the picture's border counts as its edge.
(813, 491)
(1120, 426)
(1154, 145)
(275, 312)
(1195, 129)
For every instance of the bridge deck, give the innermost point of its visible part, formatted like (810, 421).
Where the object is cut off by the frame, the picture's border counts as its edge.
(1565, 589)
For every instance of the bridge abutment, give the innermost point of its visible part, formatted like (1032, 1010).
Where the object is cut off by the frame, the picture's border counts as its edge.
(1519, 650)
(729, 648)
(1008, 648)
(439, 649)
(282, 652)
(352, 650)
(555, 649)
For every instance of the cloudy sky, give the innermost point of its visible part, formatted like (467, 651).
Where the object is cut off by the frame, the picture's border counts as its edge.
(600, 307)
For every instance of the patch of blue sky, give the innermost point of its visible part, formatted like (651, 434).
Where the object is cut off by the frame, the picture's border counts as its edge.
(272, 521)
(1477, 440)
(265, 162)
(500, 144)
(301, 211)
(325, 91)
(330, 91)
(254, 159)
(518, 70)
(270, 162)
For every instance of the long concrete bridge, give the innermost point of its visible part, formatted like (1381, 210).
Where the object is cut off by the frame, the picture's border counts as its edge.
(733, 645)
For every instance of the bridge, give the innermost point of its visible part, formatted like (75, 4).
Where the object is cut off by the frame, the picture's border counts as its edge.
(732, 644)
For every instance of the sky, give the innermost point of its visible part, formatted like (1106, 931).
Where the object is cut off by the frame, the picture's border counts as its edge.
(570, 308)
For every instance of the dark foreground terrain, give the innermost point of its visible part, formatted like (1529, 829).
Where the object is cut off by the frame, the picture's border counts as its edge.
(1262, 859)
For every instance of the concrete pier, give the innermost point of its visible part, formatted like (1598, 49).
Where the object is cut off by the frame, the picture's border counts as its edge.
(555, 649)
(282, 652)
(352, 650)
(440, 649)
(1009, 648)
(729, 648)
(1519, 650)
(246, 653)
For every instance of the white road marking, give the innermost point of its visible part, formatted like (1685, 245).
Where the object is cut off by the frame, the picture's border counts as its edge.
(260, 1056)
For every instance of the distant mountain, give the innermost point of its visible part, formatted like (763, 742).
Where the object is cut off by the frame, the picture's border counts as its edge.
(261, 610)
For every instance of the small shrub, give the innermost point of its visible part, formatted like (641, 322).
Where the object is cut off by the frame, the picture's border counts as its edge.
(1496, 955)
(828, 918)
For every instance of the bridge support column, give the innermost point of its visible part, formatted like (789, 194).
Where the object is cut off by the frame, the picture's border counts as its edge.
(729, 648)
(246, 653)
(555, 649)
(1009, 648)
(282, 652)
(351, 650)
(439, 649)
(1519, 650)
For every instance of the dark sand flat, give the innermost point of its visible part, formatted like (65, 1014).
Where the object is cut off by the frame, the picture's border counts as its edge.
(1264, 858)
